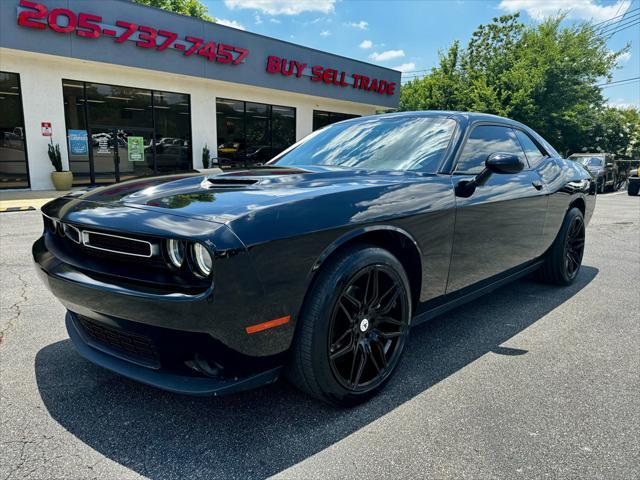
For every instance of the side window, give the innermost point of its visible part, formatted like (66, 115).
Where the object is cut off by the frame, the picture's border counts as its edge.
(482, 142)
(534, 155)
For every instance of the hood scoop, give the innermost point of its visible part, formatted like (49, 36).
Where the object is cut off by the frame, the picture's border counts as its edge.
(226, 182)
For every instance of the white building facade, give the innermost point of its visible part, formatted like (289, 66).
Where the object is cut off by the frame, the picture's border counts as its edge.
(99, 78)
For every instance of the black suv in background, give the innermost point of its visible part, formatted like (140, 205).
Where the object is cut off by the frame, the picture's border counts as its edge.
(602, 168)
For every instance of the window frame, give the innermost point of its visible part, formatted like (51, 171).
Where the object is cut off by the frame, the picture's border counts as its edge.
(542, 150)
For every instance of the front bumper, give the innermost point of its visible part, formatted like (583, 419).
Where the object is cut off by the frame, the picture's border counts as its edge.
(99, 354)
(195, 345)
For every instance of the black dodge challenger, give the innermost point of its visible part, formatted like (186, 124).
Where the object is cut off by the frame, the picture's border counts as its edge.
(315, 265)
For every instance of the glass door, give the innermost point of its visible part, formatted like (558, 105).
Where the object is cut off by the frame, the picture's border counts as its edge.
(121, 153)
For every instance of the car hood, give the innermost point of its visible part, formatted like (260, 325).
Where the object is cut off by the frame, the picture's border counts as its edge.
(226, 196)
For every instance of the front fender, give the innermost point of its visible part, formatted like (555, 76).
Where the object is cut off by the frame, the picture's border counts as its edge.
(358, 232)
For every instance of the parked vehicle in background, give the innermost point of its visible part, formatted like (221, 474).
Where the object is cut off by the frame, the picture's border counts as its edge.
(633, 186)
(603, 168)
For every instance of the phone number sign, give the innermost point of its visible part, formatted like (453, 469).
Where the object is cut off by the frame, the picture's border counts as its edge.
(62, 20)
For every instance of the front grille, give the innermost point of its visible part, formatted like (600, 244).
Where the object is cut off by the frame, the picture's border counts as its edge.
(116, 244)
(50, 224)
(128, 343)
(131, 260)
(71, 232)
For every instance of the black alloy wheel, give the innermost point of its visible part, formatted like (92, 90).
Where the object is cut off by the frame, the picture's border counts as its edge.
(367, 328)
(563, 259)
(353, 326)
(574, 246)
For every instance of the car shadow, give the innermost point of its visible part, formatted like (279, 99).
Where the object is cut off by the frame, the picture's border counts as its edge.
(260, 433)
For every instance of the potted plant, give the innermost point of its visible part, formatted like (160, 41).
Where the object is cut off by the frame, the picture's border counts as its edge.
(207, 167)
(62, 179)
(206, 156)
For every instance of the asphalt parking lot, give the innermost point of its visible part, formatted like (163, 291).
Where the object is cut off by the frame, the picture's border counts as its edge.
(531, 381)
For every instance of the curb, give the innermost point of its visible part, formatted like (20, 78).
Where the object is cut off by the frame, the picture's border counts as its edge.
(15, 209)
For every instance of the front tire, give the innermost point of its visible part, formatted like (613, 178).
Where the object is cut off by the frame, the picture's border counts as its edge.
(564, 259)
(353, 327)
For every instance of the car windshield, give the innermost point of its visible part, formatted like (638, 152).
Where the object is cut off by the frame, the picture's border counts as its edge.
(375, 143)
(590, 161)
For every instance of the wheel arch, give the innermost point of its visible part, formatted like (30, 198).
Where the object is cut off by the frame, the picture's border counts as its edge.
(580, 204)
(397, 241)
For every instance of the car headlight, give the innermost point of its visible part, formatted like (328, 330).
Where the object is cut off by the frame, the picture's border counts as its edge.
(175, 252)
(203, 260)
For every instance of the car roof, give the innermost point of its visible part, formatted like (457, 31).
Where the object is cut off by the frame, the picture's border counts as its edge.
(465, 117)
(594, 154)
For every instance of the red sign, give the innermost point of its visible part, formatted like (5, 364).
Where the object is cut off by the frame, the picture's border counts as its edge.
(330, 76)
(47, 131)
(87, 25)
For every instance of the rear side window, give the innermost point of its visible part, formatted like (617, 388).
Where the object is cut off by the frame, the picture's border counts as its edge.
(534, 155)
(482, 142)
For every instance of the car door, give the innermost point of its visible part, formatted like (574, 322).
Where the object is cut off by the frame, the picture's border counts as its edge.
(500, 225)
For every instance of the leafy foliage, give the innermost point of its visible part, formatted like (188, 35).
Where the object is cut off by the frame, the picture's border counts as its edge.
(206, 156)
(545, 76)
(192, 8)
(54, 156)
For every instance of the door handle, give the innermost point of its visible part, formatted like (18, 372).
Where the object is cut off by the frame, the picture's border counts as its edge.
(537, 184)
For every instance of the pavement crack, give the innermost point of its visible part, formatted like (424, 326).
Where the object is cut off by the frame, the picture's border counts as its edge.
(20, 464)
(16, 308)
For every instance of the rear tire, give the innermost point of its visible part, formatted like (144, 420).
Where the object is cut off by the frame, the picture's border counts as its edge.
(352, 328)
(563, 260)
(633, 188)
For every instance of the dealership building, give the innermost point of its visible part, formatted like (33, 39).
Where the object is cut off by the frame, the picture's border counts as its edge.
(127, 90)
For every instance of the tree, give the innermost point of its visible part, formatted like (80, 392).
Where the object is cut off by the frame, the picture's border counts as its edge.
(617, 131)
(545, 76)
(192, 8)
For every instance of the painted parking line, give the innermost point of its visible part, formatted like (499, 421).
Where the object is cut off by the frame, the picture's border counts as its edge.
(16, 209)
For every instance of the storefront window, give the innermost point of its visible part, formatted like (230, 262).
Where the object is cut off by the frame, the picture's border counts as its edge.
(172, 120)
(14, 172)
(131, 132)
(76, 120)
(322, 119)
(253, 132)
(283, 128)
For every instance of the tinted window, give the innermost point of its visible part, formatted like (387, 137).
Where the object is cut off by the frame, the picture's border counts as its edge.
(230, 122)
(283, 128)
(396, 143)
(322, 118)
(254, 132)
(534, 155)
(13, 156)
(75, 116)
(121, 106)
(172, 122)
(482, 142)
(590, 161)
(108, 115)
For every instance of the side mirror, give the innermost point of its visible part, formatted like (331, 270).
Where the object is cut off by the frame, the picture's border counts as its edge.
(496, 163)
(504, 163)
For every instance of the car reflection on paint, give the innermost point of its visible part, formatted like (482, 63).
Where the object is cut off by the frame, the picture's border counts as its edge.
(315, 265)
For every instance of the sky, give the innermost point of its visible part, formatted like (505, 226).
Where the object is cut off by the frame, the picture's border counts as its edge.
(407, 34)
